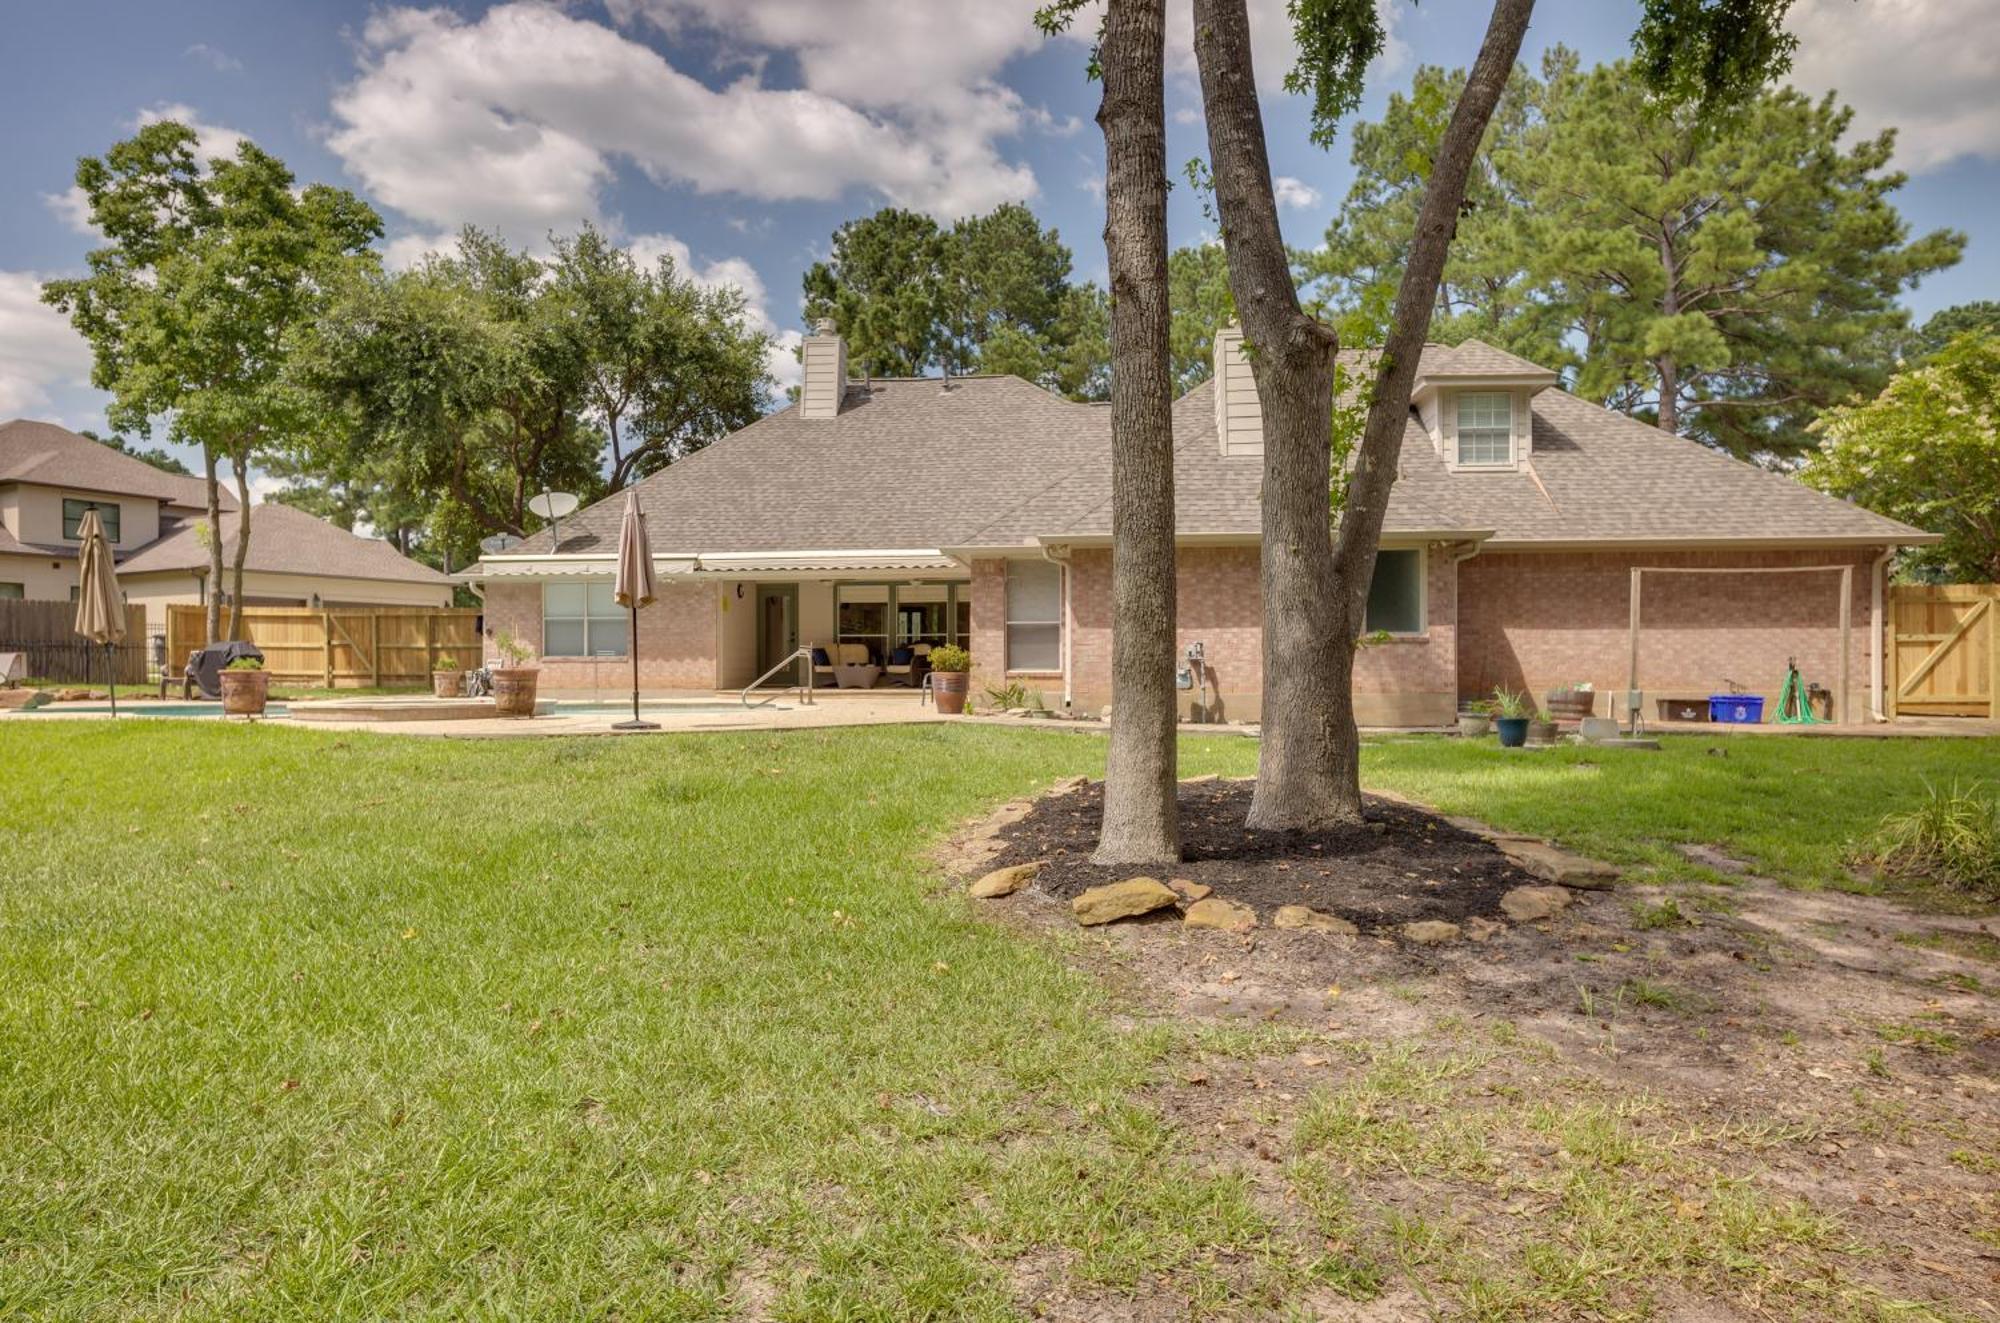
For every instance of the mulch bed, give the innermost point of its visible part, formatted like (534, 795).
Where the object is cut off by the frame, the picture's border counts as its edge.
(1400, 866)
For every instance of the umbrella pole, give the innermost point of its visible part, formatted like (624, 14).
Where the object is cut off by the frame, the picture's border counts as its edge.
(111, 671)
(633, 645)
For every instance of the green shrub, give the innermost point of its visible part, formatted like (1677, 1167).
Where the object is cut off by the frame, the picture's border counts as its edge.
(1953, 837)
(246, 664)
(951, 660)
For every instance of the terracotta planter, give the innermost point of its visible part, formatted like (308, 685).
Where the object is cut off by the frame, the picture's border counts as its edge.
(244, 692)
(1541, 731)
(514, 690)
(950, 688)
(448, 684)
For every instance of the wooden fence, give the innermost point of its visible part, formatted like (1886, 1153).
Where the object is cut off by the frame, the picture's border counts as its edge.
(44, 633)
(342, 647)
(1943, 650)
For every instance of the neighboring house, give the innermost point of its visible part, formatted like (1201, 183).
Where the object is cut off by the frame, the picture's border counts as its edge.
(50, 476)
(978, 511)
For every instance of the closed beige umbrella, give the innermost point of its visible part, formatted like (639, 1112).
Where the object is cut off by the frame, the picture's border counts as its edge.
(634, 589)
(100, 609)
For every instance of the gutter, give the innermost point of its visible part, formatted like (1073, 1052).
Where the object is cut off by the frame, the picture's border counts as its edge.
(1057, 554)
(1878, 574)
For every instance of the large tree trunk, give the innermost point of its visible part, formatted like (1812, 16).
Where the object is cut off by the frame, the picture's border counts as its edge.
(239, 463)
(1316, 581)
(212, 612)
(1141, 817)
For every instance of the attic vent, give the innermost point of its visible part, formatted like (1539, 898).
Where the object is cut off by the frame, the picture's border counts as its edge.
(1239, 417)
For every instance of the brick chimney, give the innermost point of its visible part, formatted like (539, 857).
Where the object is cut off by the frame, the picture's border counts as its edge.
(1239, 418)
(823, 382)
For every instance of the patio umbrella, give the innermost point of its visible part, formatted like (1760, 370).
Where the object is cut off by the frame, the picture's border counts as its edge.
(100, 610)
(633, 590)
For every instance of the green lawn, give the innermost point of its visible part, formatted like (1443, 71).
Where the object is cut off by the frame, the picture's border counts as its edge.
(305, 1025)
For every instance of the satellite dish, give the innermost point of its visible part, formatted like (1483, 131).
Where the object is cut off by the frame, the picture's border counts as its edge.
(498, 543)
(552, 505)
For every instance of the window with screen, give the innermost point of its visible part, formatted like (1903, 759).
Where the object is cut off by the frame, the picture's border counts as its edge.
(582, 620)
(1396, 593)
(1485, 428)
(1034, 615)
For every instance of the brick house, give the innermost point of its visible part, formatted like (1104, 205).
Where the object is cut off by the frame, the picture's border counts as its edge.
(1532, 540)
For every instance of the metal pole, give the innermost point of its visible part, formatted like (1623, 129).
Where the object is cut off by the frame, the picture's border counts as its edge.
(632, 645)
(111, 669)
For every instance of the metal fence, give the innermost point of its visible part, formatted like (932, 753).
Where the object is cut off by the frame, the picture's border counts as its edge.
(44, 634)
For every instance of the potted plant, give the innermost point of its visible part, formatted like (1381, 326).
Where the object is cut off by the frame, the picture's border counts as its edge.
(514, 682)
(447, 677)
(1572, 702)
(1510, 714)
(1475, 719)
(246, 687)
(951, 669)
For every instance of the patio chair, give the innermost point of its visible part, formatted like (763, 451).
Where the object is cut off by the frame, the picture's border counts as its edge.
(822, 666)
(902, 667)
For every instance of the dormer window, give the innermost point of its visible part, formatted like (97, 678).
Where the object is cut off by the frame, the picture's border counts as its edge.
(1485, 429)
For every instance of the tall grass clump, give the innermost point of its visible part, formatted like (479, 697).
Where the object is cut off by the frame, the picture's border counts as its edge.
(1951, 836)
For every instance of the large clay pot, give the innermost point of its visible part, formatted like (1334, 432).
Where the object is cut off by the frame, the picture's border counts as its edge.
(244, 692)
(448, 684)
(949, 687)
(1513, 731)
(514, 690)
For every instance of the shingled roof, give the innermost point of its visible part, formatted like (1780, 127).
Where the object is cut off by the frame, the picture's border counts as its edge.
(52, 456)
(283, 541)
(995, 462)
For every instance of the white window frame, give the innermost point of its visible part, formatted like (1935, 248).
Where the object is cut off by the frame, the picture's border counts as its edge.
(1423, 628)
(588, 619)
(1459, 429)
(1007, 629)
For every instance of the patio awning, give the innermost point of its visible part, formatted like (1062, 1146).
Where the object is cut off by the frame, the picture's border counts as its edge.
(595, 566)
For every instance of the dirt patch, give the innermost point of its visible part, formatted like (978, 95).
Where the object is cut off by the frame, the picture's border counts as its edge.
(1730, 1101)
(1403, 865)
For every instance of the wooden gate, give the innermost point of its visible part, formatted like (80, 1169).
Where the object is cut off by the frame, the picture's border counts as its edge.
(343, 647)
(1944, 650)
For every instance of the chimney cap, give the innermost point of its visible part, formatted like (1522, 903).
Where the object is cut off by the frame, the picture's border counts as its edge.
(824, 326)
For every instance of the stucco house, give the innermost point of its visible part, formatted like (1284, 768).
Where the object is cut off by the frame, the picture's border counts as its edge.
(977, 510)
(50, 476)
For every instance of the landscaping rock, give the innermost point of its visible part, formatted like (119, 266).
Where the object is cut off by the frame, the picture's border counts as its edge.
(1068, 784)
(1312, 921)
(1479, 930)
(1533, 904)
(1004, 881)
(1121, 900)
(1215, 912)
(1431, 932)
(1189, 892)
(1554, 864)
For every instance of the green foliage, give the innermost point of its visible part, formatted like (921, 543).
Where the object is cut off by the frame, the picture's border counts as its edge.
(159, 459)
(1511, 703)
(205, 269)
(1016, 697)
(1198, 295)
(1951, 836)
(1337, 39)
(1927, 451)
(1947, 324)
(1712, 53)
(513, 649)
(447, 662)
(951, 659)
(477, 379)
(245, 664)
(1725, 274)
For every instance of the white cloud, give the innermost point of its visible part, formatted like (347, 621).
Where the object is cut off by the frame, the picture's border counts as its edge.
(39, 351)
(1273, 52)
(519, 120)
(1296, 193)
(72, 208)
(1928, 68)
(211, 140)
(729, 273)
(214, 57)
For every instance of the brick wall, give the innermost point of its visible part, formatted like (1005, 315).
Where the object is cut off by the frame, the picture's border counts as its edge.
(1219, 603)
(989, 627)
(1536, 620)
(677, 641)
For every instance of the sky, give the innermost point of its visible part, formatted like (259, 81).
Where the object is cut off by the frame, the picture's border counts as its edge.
(735, 135)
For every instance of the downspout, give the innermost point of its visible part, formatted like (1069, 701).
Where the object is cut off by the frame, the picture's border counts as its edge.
(1060, 559)
(1877, 576)
(1457, 600)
